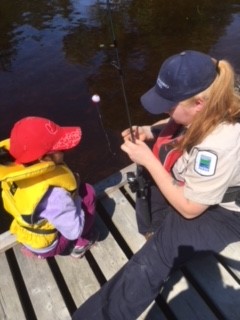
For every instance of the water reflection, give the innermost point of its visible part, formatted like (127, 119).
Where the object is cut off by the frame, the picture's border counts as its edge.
(55, 55)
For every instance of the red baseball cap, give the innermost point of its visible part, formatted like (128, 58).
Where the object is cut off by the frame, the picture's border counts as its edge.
(33, 137)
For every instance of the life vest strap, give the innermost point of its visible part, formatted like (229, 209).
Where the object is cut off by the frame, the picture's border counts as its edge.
(40, 231)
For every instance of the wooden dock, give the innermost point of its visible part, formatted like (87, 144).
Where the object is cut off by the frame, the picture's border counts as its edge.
(52, 289)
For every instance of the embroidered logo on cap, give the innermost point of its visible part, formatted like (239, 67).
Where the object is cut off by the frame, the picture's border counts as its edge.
(51, 127)
(205, 163)
(162, 84)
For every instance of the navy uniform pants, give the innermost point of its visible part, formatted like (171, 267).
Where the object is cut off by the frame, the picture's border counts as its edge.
(150, 213)
(129, 292)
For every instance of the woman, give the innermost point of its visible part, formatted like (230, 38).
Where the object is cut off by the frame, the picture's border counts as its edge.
(194, 163)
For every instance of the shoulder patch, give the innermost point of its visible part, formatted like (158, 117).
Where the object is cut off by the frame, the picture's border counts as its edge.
(205, 163)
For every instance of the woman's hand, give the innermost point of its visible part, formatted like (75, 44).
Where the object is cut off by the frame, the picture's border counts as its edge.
(138, 152)
(141, 154)
(142, 133)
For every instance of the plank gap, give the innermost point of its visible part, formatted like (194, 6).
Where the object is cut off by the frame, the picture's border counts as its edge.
(165, 308)
(95, 268)
(128, 197)
(202, 293)
(63, 288)
(113, 229)
(20, 286)
(224, 263)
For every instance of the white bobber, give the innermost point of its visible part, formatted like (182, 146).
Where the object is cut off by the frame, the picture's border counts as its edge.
(96, 98)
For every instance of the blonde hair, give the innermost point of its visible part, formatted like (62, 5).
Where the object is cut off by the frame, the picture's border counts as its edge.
(222, 104)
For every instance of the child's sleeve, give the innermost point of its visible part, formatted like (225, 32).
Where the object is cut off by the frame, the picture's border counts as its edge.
(63, 212)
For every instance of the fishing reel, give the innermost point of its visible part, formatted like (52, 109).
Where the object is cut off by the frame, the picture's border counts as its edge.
(132, 181)
(138, 184)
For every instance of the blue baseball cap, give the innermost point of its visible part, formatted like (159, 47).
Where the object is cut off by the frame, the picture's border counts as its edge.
(181, 76)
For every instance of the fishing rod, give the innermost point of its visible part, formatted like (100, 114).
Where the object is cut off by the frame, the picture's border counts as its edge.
(117, 65)
(137, 182)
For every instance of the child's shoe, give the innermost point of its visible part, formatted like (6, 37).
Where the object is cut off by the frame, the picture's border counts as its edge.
(80, 250)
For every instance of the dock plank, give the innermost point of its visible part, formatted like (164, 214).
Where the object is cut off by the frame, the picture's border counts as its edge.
(123, 216)
(7, 241)
(230, 257)
(222, 289)
(79, 278)
(10, 305)
(153, 312)
(207, 289)
(113, 182)
(184, 301)
(43, 291)
(107, 253)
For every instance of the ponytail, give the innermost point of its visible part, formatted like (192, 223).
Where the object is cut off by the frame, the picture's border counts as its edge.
(222, 104)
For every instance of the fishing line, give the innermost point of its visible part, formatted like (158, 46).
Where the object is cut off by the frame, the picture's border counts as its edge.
(117, 65)
(96, 99)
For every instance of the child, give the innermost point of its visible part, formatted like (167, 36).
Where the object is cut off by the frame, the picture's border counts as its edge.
(53, 213)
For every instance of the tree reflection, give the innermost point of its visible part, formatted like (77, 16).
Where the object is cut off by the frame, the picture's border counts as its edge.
(18, 13)
(147, 32)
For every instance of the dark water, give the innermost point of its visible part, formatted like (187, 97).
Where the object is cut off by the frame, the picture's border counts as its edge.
(54, 55)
